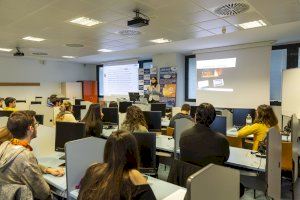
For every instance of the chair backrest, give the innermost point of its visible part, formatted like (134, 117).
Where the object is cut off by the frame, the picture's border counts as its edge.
(147, 149)
(181, 125)
(287, 156)
(219, 125)
(180, 171)
(80, 154)
(224, 180)
(235, 141)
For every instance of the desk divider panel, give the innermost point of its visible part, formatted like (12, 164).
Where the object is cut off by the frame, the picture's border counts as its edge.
(48, 113)
(80, 155)
(295, 135)
(3, 121)
(181, 125)
(43, 145)
(84, 111)
(214, 182)
(273, 169)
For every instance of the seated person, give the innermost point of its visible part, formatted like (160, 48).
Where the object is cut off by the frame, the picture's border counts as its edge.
(1, 103)
(18, 163)
(93, 121)
(54, 101)
(134, 121)
(200, 145)
(65, 114)
(265, 119)
(113, 104)
(118, 177)
(10, 104)
(184, 113)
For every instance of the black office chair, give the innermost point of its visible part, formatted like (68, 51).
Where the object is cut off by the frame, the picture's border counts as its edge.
(147, 148)
(40, 119)
(4, 113)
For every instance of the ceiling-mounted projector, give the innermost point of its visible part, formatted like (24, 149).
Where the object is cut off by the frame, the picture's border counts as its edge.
(18, 53)
(138, 21)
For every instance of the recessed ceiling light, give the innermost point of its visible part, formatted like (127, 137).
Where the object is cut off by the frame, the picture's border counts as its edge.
(6, 50)
(160, 40)
(84, 21)
(253, 24)
(105, 50)
(70, 57)
(35, 39)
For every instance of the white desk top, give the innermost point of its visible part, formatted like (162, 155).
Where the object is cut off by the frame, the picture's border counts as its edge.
(161, 189)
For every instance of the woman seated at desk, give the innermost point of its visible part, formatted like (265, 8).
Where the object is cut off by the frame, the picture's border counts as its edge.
(65, 114)
(118, 177)
(135, 120)
(93, 121)
(265, 119)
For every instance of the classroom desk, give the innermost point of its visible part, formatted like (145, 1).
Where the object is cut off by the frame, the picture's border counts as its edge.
(161, 189)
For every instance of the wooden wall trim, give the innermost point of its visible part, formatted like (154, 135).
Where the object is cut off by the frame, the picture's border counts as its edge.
(18, 84)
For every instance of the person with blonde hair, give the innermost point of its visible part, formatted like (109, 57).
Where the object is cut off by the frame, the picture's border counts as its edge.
(65, 114)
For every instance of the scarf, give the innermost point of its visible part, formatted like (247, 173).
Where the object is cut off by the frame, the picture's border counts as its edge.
(22, 143)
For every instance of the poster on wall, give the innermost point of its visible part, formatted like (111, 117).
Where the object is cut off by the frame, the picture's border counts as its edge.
(168, 81)
(145, 76)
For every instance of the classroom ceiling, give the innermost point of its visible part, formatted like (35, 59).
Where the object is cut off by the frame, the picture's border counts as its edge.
(176, 20)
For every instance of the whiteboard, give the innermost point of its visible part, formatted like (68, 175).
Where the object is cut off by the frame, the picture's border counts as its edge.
(291, 92)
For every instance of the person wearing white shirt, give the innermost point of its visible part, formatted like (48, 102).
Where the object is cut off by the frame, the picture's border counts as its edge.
(154, 91)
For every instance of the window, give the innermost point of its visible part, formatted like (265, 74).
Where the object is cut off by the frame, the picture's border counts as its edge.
(190, 78)
(278, 64)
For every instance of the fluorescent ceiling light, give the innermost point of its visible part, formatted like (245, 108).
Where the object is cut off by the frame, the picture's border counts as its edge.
(84, 21)
(6, 50)
(216, 63)
(105, 50)
(35, 39)
(68, 56)
(218, 89)
(160, 40)
(253, 24)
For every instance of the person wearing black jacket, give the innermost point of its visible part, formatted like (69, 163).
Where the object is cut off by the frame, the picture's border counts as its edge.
(200, 145)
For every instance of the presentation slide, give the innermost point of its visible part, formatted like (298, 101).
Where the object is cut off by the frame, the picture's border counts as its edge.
(118, 80)
(211, 74)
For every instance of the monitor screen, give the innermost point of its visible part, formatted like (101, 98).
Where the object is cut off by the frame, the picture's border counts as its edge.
(153, 120)
(123, 105)
(219, 125)
(159, 107)
(193, 111)
(134, 96)
(240, 114)
(110, 115)
(4, 113)
(39, 119)
(68, 131)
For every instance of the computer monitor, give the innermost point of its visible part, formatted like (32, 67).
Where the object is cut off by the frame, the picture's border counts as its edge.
(153, 120)
(77, 111)
(123, 105)
(193, 111)
(219, 125)
(110, 116)
(68, 131)
(5, 113)
(240, 114)
(77, 101)
(134, 96)
(159, 107)
(36, 102)
(40, 119)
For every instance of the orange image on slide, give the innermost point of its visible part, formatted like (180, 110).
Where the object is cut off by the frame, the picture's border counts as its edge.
(169, 90)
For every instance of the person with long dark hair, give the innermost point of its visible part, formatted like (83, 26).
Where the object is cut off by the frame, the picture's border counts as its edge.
(93, 121)
(135, 120)
(154, 91)
(265, 119)
(118, 177)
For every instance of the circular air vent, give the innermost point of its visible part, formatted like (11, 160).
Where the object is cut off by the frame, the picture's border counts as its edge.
(74, 45)
(129, 32)
(232, 9)
(39, 53)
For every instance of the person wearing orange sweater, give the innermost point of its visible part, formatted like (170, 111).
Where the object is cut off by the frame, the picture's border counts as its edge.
(265, 119)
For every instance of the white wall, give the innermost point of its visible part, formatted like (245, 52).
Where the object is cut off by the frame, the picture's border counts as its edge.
(49, 75)
(250, 79)
(173, 60)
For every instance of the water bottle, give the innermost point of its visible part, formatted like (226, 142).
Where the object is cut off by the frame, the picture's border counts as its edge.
(248, 120)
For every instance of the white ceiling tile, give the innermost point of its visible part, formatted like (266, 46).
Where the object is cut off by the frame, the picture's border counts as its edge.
(200, 34)
(197, 17)
(212, 24)
(229, 29)
(244, 17)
